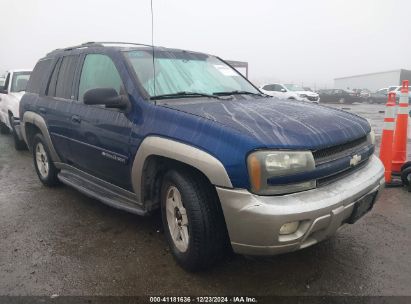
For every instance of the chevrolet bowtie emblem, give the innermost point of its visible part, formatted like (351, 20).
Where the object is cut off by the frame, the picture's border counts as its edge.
(355, 160)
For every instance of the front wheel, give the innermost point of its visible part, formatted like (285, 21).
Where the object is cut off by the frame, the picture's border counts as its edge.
(45, 169)
(193, 222)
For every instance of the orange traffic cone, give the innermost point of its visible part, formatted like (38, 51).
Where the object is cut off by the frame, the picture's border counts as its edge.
(388, 136)
(399, 156)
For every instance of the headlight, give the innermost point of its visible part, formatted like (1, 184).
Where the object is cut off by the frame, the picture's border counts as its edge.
(264, 165)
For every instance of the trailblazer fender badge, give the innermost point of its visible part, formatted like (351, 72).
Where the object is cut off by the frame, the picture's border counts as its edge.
(355, 160)
(113, 157)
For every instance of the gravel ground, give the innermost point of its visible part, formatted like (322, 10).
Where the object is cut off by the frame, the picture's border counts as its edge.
(58, 241)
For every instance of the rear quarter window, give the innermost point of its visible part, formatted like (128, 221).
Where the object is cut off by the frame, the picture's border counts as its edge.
(39, 76)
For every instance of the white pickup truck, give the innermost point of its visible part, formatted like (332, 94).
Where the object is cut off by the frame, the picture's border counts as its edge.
(10, 94)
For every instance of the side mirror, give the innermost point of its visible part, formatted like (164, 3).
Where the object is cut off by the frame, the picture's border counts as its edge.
(105, 96)
(283, 90)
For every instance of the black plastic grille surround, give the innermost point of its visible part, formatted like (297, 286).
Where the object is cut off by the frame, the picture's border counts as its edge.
(335, 152)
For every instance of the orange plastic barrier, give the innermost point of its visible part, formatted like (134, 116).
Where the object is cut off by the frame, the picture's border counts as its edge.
(388, 136)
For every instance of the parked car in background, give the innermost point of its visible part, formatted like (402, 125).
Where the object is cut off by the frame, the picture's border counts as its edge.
(227, 169)
(338, 96)
(10, 95)
(2, 81)
(397, 91)
(382, 91)
(379, 96)
(356, 92)
(365, 93)
(392, 88)
(289, 91)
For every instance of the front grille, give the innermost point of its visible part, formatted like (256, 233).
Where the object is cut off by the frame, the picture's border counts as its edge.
(312, 98)
(339, 175)
(335, 152)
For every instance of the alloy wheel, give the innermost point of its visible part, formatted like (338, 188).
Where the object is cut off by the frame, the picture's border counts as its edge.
(177, 219)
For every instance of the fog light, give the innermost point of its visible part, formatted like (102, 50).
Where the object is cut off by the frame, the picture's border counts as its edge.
(289, 228)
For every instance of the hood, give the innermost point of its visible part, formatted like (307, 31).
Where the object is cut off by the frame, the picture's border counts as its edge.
(280, 124)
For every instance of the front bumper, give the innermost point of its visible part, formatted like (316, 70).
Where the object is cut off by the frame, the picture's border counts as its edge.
(254, 222)
(306, 99)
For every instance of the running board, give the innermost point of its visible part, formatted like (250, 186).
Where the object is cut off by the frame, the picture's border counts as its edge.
(107, 193)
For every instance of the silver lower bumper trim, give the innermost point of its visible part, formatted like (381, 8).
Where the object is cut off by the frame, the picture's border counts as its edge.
(254, 222)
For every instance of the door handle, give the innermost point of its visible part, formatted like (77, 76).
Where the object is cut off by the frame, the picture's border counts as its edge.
(42, 110)
(76, 119)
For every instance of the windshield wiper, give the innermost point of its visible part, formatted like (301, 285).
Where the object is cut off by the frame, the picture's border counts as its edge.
(237, 92)
(183, 94)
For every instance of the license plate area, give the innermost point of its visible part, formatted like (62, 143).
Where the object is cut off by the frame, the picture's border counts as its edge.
(361, 207)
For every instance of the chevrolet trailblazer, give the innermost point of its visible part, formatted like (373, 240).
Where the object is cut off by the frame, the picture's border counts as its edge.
(228, 166)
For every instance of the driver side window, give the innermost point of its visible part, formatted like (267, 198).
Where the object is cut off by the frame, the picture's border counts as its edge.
(98, 71)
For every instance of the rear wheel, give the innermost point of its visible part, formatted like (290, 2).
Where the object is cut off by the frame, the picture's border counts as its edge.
(45, 169)
(193, 222)
(18, 143)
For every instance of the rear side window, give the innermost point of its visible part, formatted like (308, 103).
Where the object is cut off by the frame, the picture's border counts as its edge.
(51, 90)
(98, 71)
(39, 76)
(61, 82)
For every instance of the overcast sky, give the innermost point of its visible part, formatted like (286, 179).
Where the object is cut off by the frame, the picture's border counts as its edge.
(305, 41)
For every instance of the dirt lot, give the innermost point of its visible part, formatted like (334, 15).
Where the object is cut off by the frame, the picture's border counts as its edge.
(58, 241)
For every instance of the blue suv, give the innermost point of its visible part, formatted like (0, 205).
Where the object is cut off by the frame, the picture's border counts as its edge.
(228, 166)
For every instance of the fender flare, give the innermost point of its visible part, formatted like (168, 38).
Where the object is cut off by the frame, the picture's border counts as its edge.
(39, 122)
(210, 166)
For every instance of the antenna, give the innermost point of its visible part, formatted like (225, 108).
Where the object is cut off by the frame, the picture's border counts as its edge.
(152, 46)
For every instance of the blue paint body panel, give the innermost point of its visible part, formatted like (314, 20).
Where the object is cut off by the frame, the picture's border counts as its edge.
(227, 129)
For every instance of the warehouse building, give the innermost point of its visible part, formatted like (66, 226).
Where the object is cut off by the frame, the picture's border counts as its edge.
(373, 81)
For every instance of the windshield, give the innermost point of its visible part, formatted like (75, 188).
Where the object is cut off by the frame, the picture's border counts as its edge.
(293, 87)
(19, 81)
(185, 72)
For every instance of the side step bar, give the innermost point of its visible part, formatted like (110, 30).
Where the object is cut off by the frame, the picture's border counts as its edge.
(105, 192)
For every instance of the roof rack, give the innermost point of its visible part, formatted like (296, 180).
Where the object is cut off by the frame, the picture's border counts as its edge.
(97, 44)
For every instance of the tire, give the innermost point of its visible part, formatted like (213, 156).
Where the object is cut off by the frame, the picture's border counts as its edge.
(193, 220)
(45, 169)
(406, 176)
(4, 129)
(406, 165)
(19, 144)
